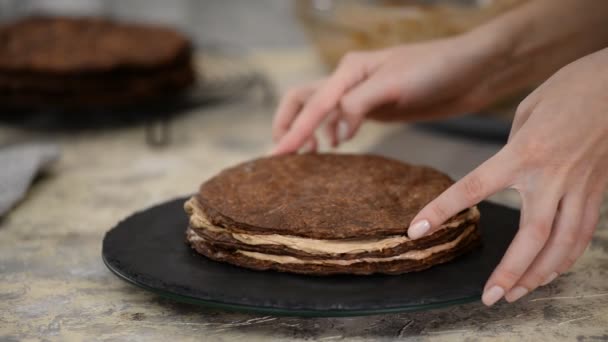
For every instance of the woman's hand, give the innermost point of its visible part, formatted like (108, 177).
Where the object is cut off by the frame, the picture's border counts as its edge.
(446, 77)
(418, 81)
(557, 158)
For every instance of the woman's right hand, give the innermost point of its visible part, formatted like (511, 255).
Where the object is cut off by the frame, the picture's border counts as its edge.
(410, 82)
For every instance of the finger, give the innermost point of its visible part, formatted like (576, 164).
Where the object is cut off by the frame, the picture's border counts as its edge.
(289, 107)
(341, 127)
(588, 227)
(373, 93)
(522, 113)
(538, 213)
(310, 146)
(348, 124)
(490, 177)
(395, 112)
(351, 71)
(331, 127)
(561, 242)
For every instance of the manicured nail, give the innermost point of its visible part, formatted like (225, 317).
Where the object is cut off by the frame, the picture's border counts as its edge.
(550, 278)
(342, 131)
(516, 293)
(492, 295)
(307, 148)
(418, 229)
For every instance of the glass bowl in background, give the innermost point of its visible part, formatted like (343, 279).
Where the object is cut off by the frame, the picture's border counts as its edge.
(337, 27)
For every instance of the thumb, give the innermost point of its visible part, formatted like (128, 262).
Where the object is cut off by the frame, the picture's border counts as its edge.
(489, 178)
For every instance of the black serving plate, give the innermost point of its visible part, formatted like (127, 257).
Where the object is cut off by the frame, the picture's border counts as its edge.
(148, 249)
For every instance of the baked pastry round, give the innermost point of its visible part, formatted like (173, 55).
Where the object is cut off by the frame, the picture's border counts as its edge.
(325, 214)
(64, 62)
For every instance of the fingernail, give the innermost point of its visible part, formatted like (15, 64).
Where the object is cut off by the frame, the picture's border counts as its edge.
(307, 148)
(492, 295)
(418, 229)
(516, 293)
(342, 131)
(550, 278)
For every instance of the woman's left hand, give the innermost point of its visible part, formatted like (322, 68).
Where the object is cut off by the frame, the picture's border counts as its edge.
(557, 159)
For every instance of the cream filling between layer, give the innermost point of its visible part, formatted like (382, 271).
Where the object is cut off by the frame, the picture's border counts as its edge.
(410, 255)
(312, 246)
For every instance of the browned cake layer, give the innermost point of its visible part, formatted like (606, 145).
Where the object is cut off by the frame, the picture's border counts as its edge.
(326, 196)
(106, 92)
(81, 45)
(101, 80)
(468, 240)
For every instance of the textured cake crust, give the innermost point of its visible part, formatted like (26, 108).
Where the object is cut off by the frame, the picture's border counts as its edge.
(325, 196)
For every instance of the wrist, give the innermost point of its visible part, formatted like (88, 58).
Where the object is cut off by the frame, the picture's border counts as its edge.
(520, 49)
(529, 43)
(492, 46)
(489, 49)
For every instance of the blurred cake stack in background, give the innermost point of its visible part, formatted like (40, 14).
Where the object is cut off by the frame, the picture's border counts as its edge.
(93, 64)
(73, 63)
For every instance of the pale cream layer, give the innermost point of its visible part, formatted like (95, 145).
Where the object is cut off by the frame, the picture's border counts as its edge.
(198, 220)
(410, 255)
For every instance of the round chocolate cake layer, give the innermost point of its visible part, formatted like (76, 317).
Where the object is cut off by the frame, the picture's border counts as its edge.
(82, 45)
(325, 196)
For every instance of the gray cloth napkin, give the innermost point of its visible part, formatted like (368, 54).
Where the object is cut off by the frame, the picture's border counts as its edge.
(19, 165)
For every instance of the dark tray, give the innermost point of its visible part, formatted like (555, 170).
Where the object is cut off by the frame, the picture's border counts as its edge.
(148, 249)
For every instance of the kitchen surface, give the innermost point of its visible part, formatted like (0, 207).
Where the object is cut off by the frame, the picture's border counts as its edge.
(54, 285)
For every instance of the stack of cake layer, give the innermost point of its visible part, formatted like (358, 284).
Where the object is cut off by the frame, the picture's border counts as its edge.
(325, 214)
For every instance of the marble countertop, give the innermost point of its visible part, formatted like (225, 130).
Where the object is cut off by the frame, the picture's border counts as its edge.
(54, 286)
